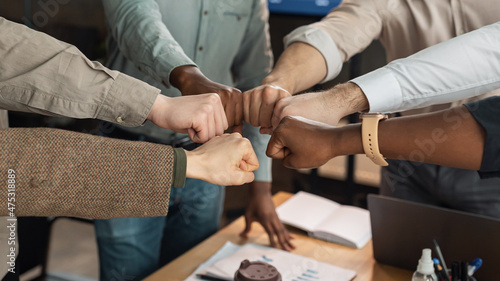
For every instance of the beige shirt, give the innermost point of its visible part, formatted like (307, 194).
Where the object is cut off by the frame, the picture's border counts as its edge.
(404, 27)
(40, 74)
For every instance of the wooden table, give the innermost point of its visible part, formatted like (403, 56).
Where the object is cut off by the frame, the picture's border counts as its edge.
(360, 260)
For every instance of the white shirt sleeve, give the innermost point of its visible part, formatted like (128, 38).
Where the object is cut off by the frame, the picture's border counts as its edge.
(463, 67)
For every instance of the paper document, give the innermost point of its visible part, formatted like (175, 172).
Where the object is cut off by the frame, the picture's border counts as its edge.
(292, 267)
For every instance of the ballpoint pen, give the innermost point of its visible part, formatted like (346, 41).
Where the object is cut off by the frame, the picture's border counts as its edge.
(464, 273)
(438, 269)
(438, 250)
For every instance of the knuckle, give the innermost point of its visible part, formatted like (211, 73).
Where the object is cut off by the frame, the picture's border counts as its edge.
(268, 91)
(214, 98)
(206, 109)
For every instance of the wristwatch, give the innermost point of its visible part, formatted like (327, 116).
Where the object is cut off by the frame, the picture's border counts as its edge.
(369, 136)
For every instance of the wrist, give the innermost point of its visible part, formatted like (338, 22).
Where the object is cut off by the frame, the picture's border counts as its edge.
(347, 140)
(183, 76)
(160, 106)
(281, 82)
(194, 168)
(355, 98)
(260, 188)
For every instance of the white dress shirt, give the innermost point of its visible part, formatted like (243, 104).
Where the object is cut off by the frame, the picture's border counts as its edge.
(463, 67)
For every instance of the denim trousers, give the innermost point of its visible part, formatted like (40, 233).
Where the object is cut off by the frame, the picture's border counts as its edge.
(133, 248)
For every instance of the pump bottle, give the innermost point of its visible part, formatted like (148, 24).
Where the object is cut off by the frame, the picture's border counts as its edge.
(425, 268)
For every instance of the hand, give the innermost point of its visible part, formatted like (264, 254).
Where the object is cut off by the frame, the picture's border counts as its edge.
(224, 160)
(326, 106)
(191, 81)
(302, 143)
(261, 209)
(202, 117)
(258, 105)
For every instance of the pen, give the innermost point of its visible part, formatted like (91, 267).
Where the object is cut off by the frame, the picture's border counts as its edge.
(208, 277)
(440, 255)
(464, 271)
(438, 269)
(474, 265)
(455, 271)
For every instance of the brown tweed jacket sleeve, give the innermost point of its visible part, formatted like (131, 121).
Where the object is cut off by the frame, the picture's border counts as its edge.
(62, 173)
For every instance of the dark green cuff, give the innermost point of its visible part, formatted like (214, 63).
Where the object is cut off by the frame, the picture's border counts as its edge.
(180, 162)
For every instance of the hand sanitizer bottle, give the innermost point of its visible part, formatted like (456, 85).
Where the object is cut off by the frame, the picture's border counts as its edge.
(425, 268)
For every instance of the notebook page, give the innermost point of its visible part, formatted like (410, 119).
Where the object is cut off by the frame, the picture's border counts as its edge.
(305, 210)
(350, 223)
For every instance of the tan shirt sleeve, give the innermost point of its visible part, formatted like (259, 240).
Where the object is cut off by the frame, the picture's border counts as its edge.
(42, 75)
(62, 173)
(353, 26)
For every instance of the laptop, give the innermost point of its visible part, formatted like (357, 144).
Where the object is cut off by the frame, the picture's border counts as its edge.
(401, 229)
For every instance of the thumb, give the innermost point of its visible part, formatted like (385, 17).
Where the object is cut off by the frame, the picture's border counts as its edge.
(248, 166)
(198, 136)
(245, 177)
(249, 161)
(192, 135)
(291, 161)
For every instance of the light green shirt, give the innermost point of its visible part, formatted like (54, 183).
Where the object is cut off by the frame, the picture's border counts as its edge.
(227, 39)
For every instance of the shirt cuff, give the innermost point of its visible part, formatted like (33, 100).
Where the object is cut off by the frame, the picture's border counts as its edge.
(381, 89)
(180, 163)
(128, 101)
(323, 42)
(259, 143)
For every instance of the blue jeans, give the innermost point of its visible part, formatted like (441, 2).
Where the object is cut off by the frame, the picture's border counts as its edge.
(133, 248)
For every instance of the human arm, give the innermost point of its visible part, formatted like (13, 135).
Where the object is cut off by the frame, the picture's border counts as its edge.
(462, 67)
(224, 160)
(63, 173)
(202, 117)
(252, 63)
(327, 106)
(143, 38)
(58, 80)
(315, 54)
(465, 66)
(261, 209)
(451, 137)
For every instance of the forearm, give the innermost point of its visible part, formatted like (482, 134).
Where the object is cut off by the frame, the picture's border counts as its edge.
(462, 67)
(450, 138)
(58, 80)
(300, 67)
(254, 59)
(143, 38)
(61, 173)
(260, 188)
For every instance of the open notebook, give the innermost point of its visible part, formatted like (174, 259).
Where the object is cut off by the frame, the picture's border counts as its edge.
(327, 220)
